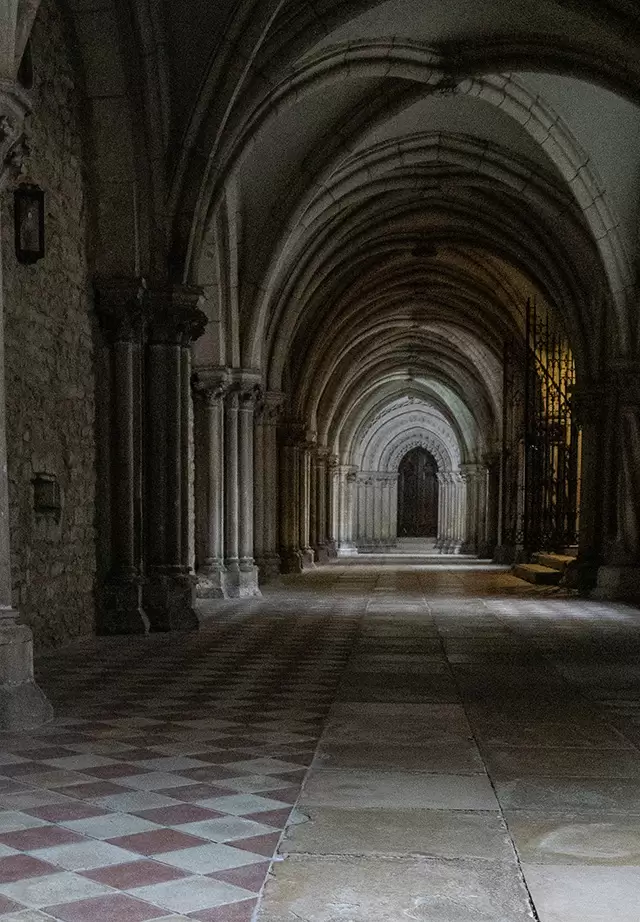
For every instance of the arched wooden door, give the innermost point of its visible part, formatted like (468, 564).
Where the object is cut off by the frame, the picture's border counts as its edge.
(418, 495)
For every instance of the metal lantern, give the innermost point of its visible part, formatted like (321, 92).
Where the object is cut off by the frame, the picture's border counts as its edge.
(29, 223)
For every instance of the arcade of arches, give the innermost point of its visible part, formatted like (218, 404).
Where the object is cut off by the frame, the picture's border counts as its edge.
(318, 278)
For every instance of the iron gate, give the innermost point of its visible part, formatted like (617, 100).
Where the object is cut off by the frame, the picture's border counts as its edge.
(541, 448)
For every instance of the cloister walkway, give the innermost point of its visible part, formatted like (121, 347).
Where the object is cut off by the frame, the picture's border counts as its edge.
(448, 745)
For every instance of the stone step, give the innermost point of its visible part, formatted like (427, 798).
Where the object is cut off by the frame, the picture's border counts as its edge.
(537, 574)
(553, 561)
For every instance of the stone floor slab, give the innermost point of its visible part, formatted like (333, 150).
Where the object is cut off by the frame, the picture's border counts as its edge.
(431, 833)
(400, 790)
(379, 890)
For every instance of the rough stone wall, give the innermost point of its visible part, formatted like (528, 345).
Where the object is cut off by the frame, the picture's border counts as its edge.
(49, 361)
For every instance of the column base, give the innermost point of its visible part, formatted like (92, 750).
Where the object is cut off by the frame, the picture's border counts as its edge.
(332, 549)
(291, 561)
(122, 610)
(23, 706)
(268, 567)
(169, 600)
(308, 558)
(210, 581)
(241, 583)
(618, 582)
(321, 554)
(347, 550)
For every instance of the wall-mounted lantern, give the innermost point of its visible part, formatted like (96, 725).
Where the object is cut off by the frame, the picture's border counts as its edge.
(46, 494)
(28, 213)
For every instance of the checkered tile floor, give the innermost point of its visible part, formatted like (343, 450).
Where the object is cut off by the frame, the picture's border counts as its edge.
(163, 787)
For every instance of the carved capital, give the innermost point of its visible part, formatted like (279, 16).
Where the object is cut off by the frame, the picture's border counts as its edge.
(174, 314)
(14, 150)
(210, 385)
(272, 407)
(249, 396)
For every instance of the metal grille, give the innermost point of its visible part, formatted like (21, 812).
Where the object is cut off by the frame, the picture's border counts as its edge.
(541, 448)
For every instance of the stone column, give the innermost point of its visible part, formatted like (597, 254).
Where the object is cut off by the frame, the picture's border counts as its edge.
(440, 537)
(304, 502)
(247, 570)
(290, 553)
(175, 322)
(209, 387)
(393, 510)
(474, 478)
(320, 519)
(231, 546)
(346, 547)
(593, 407)
(22, 703)
(333, 504)
(121, 308)
(266, 489)
(491, 526)
(619, 450)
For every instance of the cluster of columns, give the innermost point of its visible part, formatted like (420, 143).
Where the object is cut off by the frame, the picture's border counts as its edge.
(226, 402)
(376, 512)
(312, 486)
(149, 330)
(452, 512)
(22, 703)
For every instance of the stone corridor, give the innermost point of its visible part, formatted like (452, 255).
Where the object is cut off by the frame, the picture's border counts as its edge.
(410, 743)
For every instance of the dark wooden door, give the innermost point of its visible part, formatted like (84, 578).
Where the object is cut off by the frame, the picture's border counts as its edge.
(417, 495)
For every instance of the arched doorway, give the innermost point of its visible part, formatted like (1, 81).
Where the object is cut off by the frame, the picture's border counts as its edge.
(418, 495)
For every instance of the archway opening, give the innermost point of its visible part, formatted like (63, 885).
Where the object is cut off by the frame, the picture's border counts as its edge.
(418, 495)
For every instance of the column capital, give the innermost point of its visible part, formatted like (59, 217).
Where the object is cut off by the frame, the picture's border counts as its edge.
(271, 407)
(121, 307)
(174, 314)
(210, 384)
(15, 105)
(333, 462)
(249, 396)
(322, 453)
(472, 471)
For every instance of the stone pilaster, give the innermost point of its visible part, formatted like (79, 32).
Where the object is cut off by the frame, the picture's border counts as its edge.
(291, 435)
(620, 574)
(474, 477)
(304, 503)
(247, 570)
(320, 519)
(333, 494)
(175, 322)
(22, 703)
(121, 305)
(209, 387)
(347, 483)
(266, 486)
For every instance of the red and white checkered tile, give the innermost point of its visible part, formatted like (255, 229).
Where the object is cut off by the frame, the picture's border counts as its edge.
(162, 789)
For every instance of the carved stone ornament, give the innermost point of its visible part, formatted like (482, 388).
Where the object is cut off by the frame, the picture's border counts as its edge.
(210, 385)
(14, 150)
(174, 314)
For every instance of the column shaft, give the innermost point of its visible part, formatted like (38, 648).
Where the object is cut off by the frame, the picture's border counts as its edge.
(170, 589)
(210, 386)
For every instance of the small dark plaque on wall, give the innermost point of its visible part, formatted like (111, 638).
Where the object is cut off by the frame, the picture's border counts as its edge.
(46, 494)
(28, 203)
